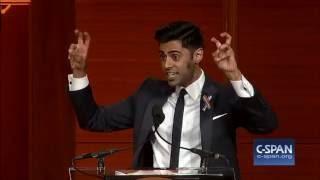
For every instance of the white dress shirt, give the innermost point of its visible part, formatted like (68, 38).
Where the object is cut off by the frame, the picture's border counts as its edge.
(190, 135)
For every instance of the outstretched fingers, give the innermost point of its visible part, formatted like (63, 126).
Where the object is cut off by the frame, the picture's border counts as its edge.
(71, 51)
(79, 36)
(217, 42)
(227, 36)
(87, 39)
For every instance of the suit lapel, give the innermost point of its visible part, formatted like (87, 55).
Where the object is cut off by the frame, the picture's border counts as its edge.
(210, 91)
(158, 99)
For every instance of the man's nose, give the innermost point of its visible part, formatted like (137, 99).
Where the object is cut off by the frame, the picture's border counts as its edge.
(168, 63)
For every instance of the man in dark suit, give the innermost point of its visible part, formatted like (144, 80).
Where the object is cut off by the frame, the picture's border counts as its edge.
(199, 113)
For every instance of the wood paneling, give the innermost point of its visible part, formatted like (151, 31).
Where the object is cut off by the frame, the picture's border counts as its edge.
(14, 45)
(51, 126)
(278, 52)
(278, 44)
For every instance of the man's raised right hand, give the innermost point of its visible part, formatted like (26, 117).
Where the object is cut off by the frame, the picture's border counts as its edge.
(78, 54)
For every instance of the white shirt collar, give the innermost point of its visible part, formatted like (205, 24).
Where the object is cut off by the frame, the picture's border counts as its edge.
(194, 89)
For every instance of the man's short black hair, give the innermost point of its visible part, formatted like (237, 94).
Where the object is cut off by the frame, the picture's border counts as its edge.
(189, 34)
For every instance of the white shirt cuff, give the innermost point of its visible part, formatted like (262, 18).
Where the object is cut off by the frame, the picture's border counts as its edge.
(243, 88)
(76, 84)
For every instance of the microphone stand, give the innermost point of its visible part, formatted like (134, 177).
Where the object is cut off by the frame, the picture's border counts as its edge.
(101, 169)
(204, 164)
(100, 156)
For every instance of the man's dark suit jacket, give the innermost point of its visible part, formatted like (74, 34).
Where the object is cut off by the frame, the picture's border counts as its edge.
(217, 135)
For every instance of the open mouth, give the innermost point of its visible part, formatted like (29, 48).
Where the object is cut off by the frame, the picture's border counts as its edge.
(171, 75)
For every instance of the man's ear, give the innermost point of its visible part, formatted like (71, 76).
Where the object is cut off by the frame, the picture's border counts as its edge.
(198, 55)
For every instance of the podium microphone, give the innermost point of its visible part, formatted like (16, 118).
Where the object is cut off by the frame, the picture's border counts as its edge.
(158, 118)
(99, 154)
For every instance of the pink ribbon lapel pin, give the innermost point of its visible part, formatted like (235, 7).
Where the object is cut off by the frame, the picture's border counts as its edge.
(207, 105)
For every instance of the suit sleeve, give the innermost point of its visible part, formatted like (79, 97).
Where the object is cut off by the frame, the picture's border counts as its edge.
(255, 114)
(101, 118)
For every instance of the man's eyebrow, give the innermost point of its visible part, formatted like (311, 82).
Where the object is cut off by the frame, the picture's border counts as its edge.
(170, 52)
(174, 51)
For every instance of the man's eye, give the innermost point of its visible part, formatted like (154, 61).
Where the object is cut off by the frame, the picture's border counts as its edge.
(175, 57)
(162, 57)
